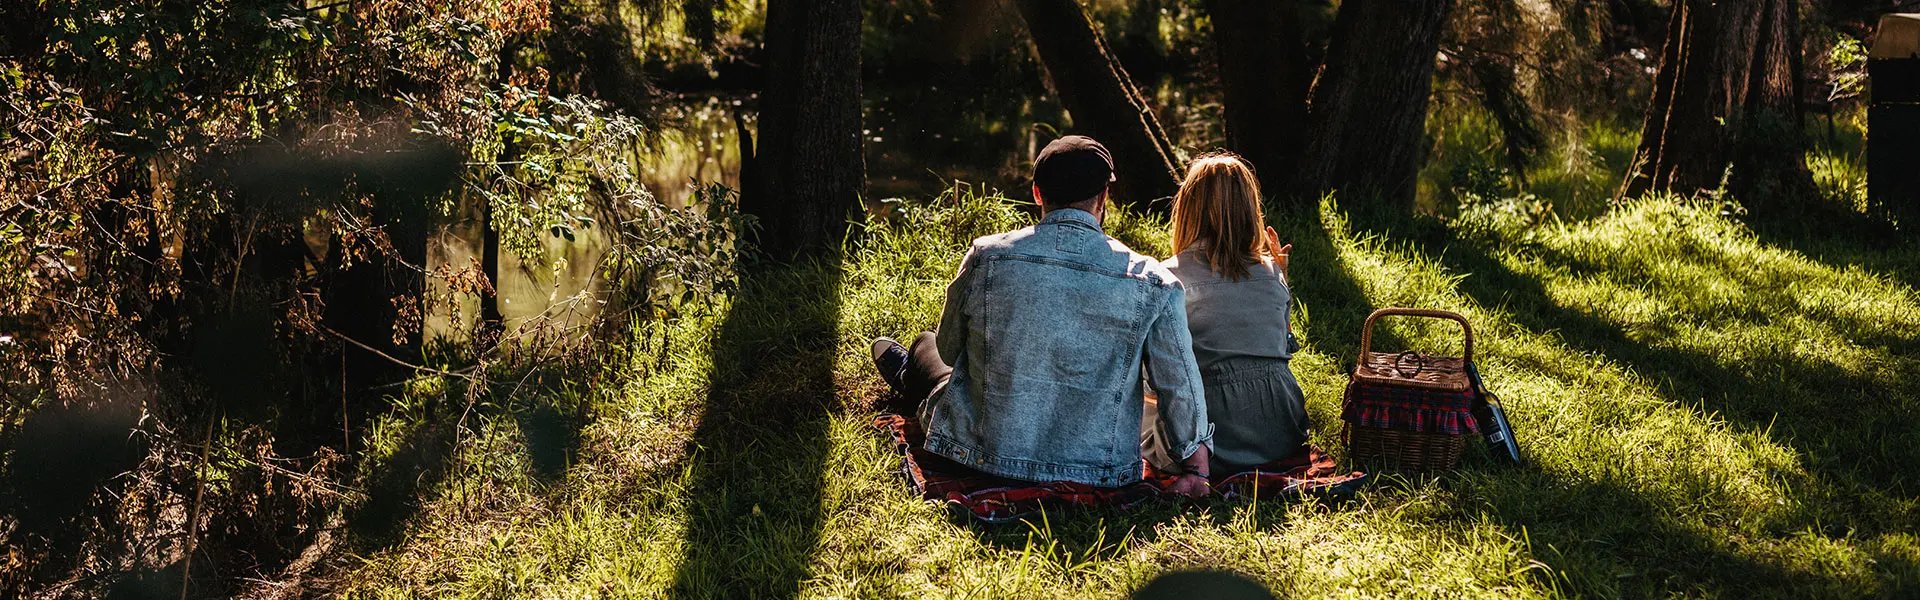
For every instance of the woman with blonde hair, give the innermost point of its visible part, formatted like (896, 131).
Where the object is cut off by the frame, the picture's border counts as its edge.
(1234, 270)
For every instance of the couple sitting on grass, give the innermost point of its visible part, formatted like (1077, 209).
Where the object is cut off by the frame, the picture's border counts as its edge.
(1035, 373)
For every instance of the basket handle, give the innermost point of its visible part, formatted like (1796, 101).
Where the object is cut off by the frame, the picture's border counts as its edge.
(1366, 331)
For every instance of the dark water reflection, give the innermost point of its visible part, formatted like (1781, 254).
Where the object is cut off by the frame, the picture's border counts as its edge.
(920, 137)
(923, 133)
(696, 139)
(919, 140)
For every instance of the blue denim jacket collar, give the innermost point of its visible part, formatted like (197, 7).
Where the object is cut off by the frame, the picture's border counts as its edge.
(1070, 215)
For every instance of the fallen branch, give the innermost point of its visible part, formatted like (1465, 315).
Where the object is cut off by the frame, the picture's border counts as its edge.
(466, 373)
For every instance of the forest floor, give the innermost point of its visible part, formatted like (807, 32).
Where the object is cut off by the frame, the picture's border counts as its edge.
(1710, 407)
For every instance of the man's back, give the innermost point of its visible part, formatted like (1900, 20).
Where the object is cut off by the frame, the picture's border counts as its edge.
(1047, 328)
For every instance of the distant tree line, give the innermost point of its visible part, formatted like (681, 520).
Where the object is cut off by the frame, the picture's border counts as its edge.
(1342, 106)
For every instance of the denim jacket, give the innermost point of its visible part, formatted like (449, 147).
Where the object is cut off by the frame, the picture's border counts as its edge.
(1048, 329)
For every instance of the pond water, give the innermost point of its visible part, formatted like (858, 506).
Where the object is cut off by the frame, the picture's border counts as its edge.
(921, 139)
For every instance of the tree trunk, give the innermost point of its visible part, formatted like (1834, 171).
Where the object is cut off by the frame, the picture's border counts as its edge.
(491, 321)
(1725, 96)
(1266, 68)
(1368, 113)
(1103, 102)
(808, 169)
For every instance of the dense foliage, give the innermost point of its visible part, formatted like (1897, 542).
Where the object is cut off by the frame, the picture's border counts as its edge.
(217, 218)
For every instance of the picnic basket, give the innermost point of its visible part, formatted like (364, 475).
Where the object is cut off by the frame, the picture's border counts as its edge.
(1410, 410)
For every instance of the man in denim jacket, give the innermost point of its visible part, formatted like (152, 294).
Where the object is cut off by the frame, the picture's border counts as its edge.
(1047, 330)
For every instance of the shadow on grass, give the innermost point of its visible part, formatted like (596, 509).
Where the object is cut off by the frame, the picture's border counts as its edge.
(1322, 285)
(759, 454)
(1602, 540)
(429, 454)
(551, 437)
(1840, 239)
(1073, 536)
(1852, 437)
(396, 487)
(1829, 416)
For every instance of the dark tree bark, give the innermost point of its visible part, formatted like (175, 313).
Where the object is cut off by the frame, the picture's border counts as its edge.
(808, 170)
(1266, 67)
(1103, 102)
(1726, 95)
(491, 321)
(1368, 110)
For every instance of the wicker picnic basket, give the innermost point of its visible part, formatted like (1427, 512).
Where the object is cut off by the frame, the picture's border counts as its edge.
(1409, 410)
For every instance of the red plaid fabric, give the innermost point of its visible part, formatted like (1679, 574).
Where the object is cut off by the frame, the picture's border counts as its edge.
(992, 499)
(1409, 409)
(1307, 472)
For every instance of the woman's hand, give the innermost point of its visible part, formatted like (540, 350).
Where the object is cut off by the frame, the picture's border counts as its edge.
(1280, 253)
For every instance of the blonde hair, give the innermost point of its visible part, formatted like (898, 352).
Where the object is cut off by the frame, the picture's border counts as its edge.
(1219, 205)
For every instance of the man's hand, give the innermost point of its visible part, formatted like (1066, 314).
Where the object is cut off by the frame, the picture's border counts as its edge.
(1280, 253)
(1194, 483)
(1191, 486)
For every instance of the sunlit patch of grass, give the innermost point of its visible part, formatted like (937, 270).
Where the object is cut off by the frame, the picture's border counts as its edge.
(1839, 177)
(1707, 414)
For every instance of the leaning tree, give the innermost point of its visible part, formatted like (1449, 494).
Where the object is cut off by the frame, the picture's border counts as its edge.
(1725, 105)
(1103, 101)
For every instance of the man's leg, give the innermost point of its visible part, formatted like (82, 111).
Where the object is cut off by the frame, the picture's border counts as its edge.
(925, 372)
(915, 372)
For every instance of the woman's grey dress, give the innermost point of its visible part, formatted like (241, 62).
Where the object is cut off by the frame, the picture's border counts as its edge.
(1241, 342)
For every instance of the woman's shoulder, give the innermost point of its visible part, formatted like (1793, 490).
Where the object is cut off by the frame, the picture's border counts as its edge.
(1180, 259)
(1190, 266)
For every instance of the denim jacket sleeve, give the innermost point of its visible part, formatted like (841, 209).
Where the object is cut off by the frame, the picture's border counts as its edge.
(953, 318)
(1175, 377)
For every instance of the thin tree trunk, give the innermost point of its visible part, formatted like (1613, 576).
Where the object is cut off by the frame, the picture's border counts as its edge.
(1653, 131)
(1266, 69)
(1103, 101)
(808, 170)
(491, 324)
(1368, 113)
(492, 321)
(1725, 97)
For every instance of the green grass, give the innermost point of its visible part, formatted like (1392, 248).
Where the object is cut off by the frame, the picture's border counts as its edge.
(1710, 411)
(1576, 173)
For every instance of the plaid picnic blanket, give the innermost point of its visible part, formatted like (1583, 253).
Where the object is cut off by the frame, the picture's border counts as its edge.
(987, 498)
(1409, 409)
(1304, 473)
